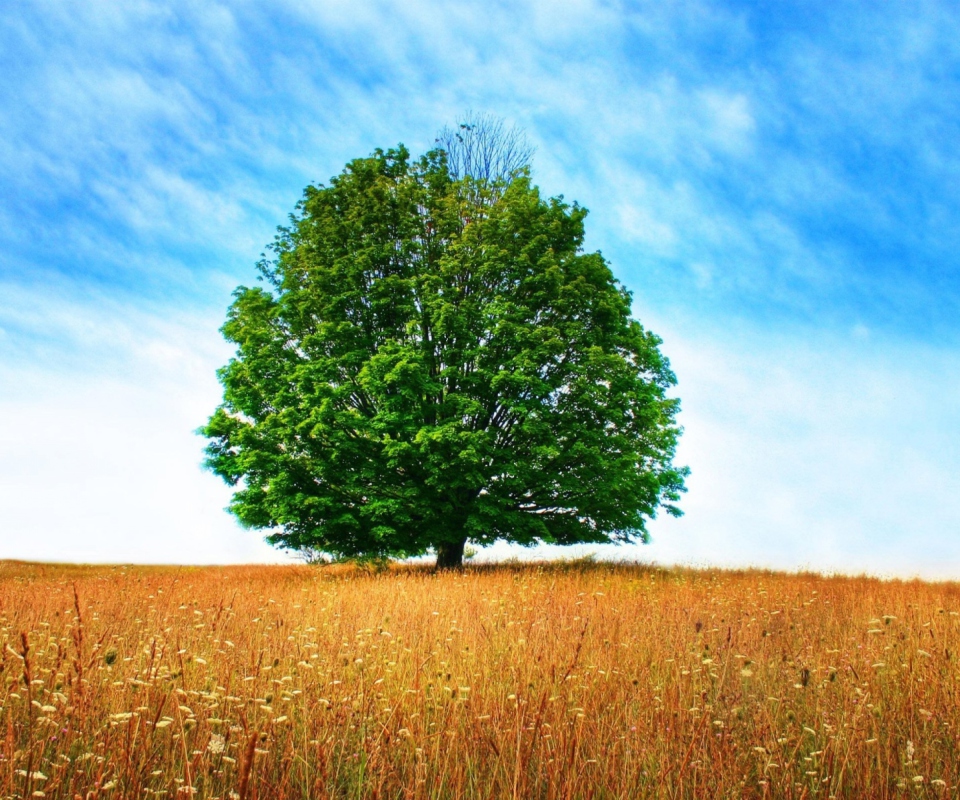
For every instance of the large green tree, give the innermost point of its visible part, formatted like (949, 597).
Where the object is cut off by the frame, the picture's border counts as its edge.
(433, 359)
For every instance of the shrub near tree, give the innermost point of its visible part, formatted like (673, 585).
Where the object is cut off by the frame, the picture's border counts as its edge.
(433, 359)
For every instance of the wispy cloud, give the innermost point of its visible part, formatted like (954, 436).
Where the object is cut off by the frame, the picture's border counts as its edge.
(810, 166)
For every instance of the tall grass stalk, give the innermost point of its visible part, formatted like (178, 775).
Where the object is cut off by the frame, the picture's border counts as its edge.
(540, 681)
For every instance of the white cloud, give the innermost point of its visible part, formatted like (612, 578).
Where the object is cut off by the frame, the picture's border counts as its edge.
(108, 471)
(730, 122)
(98, 456)
(814, 451)
(807, 451)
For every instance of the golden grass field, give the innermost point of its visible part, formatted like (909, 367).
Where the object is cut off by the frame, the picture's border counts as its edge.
(545, 681)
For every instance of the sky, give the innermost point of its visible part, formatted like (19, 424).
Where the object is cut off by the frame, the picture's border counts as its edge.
(777, 186)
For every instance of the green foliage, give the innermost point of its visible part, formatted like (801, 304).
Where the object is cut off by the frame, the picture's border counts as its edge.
(433, 361)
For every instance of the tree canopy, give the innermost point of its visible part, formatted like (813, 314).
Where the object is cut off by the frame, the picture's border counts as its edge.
(432, 359)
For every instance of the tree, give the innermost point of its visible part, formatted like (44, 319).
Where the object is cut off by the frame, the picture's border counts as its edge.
(483, 147)
(433, 358)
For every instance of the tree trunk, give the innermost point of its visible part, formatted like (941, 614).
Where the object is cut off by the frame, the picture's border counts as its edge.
(450, 554)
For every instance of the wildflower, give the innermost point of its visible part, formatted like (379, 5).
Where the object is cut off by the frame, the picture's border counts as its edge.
(217, 744)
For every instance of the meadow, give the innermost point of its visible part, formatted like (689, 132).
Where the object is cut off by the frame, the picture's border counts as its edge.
(572, 680)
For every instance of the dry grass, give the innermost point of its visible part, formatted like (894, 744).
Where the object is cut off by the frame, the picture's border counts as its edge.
(566, 681)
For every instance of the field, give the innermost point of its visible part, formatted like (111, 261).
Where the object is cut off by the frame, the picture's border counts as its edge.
(553, 681)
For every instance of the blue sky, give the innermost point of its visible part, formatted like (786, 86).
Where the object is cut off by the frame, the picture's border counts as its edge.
(776, 185)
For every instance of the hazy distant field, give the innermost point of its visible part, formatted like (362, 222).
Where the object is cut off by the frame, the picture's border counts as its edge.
(577, 681)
